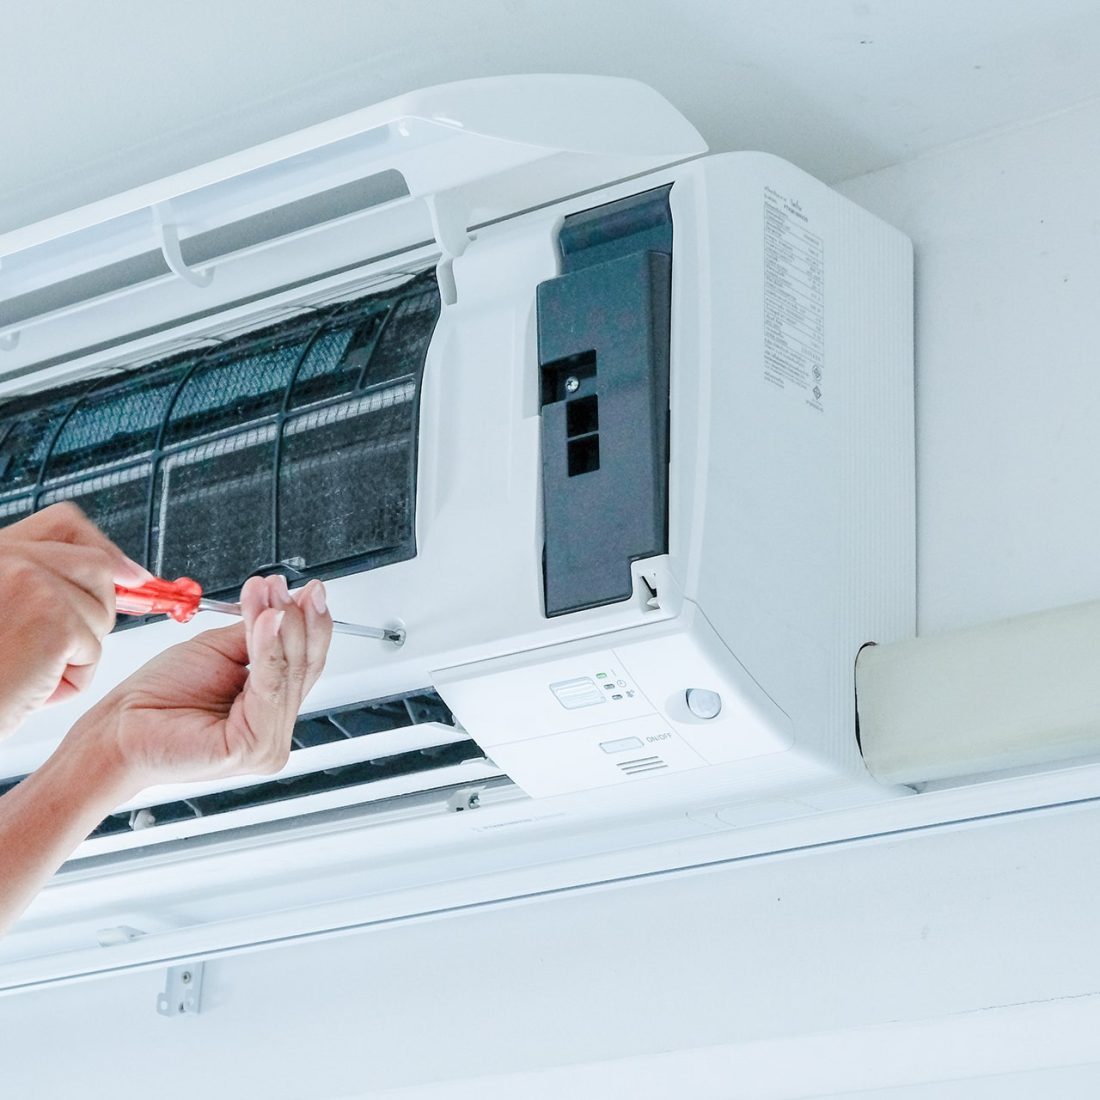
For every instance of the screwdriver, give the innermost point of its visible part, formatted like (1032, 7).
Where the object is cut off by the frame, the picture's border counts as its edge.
(182, 598)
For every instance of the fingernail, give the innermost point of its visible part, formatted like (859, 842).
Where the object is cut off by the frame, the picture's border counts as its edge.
(283, 593)
(318, 598)
(279, 615)
(139, 569)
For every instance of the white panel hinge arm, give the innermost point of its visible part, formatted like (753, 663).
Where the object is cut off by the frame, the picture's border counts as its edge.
(448, 213)
(169, 238)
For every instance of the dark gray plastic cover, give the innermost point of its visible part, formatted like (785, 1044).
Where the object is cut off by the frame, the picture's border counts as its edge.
(603, 335)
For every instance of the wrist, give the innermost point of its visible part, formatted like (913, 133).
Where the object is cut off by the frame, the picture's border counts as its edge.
(93, 749)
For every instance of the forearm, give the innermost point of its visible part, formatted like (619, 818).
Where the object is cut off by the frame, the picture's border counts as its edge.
(44, 819)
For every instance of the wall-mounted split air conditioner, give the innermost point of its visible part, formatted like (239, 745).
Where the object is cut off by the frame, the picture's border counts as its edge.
(620, 433)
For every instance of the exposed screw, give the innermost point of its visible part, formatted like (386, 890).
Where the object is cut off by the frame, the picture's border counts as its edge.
(185, 977)
(474, 800)
(572, 384)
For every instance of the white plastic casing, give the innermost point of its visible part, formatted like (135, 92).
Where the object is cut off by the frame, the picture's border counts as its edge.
(790, 523)
(791, 534)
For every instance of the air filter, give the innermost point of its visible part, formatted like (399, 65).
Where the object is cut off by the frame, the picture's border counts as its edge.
(294, 444)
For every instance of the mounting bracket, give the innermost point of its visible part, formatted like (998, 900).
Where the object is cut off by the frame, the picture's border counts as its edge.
(182, 994)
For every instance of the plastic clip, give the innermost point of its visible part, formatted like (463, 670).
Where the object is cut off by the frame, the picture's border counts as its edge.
(170, 249)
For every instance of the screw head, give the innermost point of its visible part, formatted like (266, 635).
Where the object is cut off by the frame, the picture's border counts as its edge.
(572, 384)
(185, 977)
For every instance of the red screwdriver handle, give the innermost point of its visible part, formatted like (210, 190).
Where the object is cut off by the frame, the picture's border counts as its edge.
(178, 599)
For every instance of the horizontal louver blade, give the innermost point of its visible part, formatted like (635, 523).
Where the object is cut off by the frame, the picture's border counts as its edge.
(397, 796)
(383, 749)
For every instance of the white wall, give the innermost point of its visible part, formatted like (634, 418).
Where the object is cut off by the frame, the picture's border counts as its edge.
(927, 957)
(1007, 235)
(98, 97)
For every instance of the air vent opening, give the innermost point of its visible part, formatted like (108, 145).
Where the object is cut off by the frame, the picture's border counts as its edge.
(362, 722)
(385, 749)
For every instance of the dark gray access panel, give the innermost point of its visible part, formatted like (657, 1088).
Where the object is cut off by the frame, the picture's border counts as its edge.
(603, 337)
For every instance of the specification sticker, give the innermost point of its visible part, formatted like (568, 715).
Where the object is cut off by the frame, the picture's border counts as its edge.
(794, 300)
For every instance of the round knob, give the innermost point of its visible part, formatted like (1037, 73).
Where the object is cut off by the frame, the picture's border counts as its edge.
(703, 703)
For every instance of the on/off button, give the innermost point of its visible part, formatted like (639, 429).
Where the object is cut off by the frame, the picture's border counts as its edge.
(622, 744)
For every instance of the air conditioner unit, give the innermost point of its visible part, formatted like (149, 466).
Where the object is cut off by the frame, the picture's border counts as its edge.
(621, 434)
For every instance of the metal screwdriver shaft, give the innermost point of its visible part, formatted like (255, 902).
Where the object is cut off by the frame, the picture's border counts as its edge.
(182, 598)
(381, 633)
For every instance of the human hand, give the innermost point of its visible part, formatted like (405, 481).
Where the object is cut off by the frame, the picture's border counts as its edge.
(57, 591)
(222, 703)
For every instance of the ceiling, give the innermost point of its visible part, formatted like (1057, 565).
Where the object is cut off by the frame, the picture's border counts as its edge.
(98, 97)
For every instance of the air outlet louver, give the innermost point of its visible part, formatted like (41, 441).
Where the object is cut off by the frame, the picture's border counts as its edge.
(295, 443)
(384, 748)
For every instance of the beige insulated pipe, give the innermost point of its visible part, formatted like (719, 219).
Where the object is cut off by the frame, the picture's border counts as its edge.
(1017, 693)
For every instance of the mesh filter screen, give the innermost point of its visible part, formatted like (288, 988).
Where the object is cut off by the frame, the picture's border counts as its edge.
(295, 443)
(119, 501)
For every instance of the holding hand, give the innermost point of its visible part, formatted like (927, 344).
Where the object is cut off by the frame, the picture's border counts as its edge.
(222, 703)
(57, 578)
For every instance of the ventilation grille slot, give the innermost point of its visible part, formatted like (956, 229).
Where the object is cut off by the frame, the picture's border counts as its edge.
(294, 444)
(406, 744)
(642, 764)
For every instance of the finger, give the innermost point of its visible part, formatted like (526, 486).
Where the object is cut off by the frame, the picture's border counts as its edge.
(62, 693)
(314, 602)
(267, 703)
(96, 613)
(84, 567)
(82, 654)
(65, 522)
(84, 646)
(292, 631)
(77, 678)
(278, 592)
(258, 595)
(270, 700)
(254, 599)
(267, 659)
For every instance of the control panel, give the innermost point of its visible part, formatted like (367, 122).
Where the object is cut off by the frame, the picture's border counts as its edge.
(578, 716)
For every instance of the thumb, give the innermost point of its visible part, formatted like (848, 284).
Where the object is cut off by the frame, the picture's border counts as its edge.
(128, 574)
